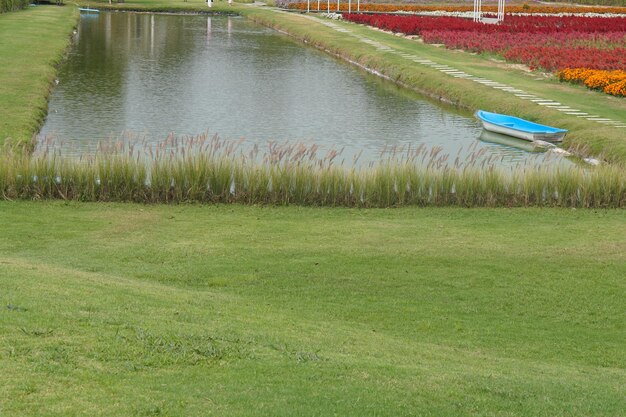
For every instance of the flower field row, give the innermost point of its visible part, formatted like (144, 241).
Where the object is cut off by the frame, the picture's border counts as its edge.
(417, 8)
(611, 82)
(540, 42)
(549, 52)
(416, 25)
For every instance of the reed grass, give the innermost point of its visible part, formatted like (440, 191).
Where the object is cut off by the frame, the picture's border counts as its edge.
(212, 170)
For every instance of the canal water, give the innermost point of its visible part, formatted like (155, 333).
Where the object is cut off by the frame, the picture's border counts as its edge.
(144, 77)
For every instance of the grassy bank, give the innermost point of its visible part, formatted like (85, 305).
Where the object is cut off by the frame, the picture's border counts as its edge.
(229, 310)
(33, 42)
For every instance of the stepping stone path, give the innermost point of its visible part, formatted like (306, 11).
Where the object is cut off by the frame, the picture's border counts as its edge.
(453, 72)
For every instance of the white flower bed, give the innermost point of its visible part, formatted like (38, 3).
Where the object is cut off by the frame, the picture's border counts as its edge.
(333, 16)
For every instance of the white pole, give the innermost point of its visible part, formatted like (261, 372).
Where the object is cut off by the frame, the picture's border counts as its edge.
(337, 5)
(318, 5)
(358, 5)
(328, 1)
(209, 3)
(308, 6)
(349, 6)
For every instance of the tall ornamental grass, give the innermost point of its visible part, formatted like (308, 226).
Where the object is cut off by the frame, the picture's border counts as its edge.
(210, 170)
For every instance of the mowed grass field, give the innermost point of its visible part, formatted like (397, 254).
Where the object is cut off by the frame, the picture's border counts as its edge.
(122, 309)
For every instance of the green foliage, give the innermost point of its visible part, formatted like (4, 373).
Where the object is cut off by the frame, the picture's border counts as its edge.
(12, 5)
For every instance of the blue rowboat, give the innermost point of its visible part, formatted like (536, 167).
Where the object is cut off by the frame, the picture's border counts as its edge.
(519, 128)
(88, 10)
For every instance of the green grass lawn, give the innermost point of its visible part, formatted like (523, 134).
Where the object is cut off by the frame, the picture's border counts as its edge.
(114, 309)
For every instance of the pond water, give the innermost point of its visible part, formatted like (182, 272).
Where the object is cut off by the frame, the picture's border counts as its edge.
(144, 76)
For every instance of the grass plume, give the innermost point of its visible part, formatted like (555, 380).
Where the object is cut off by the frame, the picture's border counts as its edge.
(209, 169)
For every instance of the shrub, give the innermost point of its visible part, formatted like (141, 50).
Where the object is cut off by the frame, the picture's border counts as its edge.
(12, 5)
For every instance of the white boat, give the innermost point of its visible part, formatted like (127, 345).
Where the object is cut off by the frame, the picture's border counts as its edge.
(519, 128)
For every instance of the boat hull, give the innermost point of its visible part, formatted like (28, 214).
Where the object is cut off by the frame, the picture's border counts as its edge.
(519, 128)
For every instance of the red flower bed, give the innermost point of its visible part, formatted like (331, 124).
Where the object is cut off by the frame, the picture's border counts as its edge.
(414, 25)
(553, 58)
(550, 43)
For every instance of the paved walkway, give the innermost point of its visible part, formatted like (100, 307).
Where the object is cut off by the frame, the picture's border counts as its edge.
(453, 72)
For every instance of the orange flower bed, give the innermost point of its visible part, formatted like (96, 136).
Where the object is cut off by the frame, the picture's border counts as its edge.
(617, 89)
(611, 82)
(375, 7)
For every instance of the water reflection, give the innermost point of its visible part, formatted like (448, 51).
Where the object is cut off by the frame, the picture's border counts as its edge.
(153, 75)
